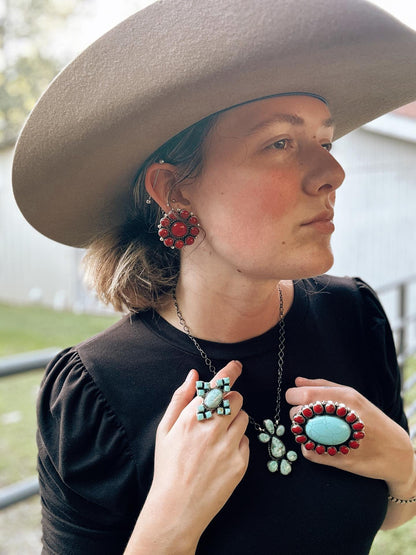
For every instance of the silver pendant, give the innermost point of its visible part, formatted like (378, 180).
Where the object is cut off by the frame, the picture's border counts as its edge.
(280, 459)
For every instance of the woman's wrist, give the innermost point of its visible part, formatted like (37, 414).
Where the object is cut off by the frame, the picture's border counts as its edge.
(160, 531)
(405, 489)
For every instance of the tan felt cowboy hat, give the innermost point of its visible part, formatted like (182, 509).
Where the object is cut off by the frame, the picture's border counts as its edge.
(176, 62)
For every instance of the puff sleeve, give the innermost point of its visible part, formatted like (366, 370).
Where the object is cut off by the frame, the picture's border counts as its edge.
(381, 352)
(87, 475)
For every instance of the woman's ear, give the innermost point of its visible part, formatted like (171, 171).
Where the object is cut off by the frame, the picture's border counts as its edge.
(159, 182)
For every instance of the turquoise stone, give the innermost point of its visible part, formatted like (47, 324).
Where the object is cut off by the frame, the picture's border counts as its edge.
(277, 448)
(328, 430)
(269, 426)
(285, 468)
(291, 456)
(280, 430)
(213, 398)
(264, 438)
(272, 466)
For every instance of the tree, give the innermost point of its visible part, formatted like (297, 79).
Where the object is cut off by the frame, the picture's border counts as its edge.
(27, 61)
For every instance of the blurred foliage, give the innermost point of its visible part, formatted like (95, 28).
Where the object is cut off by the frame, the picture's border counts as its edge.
(28, 60)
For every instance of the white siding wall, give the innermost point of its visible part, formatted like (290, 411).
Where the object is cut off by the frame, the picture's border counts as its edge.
(375, 234)
(33, 268)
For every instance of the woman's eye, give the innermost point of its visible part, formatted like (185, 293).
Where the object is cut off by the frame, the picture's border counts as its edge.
(281, 144)
(327, 146)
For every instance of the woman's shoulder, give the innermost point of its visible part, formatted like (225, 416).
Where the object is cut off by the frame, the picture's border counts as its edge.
(337, 284)
(71, 404)
(343, 292)
(99, 384)
(73, 415)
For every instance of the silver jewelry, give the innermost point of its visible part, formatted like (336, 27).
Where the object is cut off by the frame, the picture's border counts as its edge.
(401, 501)
(280, 460)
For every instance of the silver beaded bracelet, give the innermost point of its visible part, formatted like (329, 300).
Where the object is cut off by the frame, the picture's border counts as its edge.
(401, 501)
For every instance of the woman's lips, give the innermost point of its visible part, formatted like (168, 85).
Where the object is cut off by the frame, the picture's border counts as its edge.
(322, 222)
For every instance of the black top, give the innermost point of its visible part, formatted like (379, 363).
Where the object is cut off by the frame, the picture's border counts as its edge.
(100, 404)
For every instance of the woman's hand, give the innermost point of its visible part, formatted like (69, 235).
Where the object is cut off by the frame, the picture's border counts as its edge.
(385, 452)
(198, 464)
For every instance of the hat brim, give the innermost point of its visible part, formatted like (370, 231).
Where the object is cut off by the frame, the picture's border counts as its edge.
(174, 63)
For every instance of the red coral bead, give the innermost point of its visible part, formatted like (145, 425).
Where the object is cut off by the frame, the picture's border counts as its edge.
(172, 215)
(358, 435)
(301, 439)
(329, 408)
(189, 240)
(351, 417)
(193, 220)
(344, 449)
(299, 419)
(358, 425)
(194, 231)
(354, 444)
(168, 242)
(184, 214)
(165, 222)
(309, 445)
(342, 410)
(296, 429)
(332, 451)
(320, 449)
(308, 412)
(318, 408)
(163, 232)
(179, 229)
(179, 244)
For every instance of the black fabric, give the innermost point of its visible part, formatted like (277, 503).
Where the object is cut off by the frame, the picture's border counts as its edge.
(100, 404)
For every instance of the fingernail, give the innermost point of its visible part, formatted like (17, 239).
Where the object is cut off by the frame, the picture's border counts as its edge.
(238, 362)
(189, 376)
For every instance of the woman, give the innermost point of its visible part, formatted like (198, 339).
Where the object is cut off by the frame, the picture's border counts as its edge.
(226, 291)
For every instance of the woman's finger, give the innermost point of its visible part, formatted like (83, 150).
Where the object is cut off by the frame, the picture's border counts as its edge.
(186, 392)
(231, 370)
(180, 399)
(300, 382)
(304, 395)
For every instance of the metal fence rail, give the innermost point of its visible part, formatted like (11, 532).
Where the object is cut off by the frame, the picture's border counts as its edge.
(24, 362)
(35, 360)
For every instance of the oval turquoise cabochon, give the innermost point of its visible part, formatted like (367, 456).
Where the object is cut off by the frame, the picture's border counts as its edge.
(328, 430)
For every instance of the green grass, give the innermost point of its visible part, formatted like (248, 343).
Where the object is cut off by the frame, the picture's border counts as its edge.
(30, 328)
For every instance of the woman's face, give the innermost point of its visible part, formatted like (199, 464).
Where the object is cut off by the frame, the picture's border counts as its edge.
(266, 194)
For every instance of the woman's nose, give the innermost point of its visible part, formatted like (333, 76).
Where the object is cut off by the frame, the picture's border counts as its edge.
(324, 173)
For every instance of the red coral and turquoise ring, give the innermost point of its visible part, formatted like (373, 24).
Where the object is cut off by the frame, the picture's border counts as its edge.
(328, 427)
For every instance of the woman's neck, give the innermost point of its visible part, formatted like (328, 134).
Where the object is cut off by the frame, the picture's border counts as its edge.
(225, 310)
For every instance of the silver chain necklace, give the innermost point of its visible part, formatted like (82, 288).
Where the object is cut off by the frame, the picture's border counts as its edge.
(280, 460)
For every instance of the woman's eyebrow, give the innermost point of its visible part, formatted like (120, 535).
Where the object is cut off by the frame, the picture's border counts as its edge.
(293, 119)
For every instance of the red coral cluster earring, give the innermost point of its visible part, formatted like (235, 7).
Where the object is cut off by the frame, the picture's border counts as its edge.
(178, 228)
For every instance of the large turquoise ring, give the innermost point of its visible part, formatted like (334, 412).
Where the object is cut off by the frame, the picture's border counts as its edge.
(213, 398)
(328, 427)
